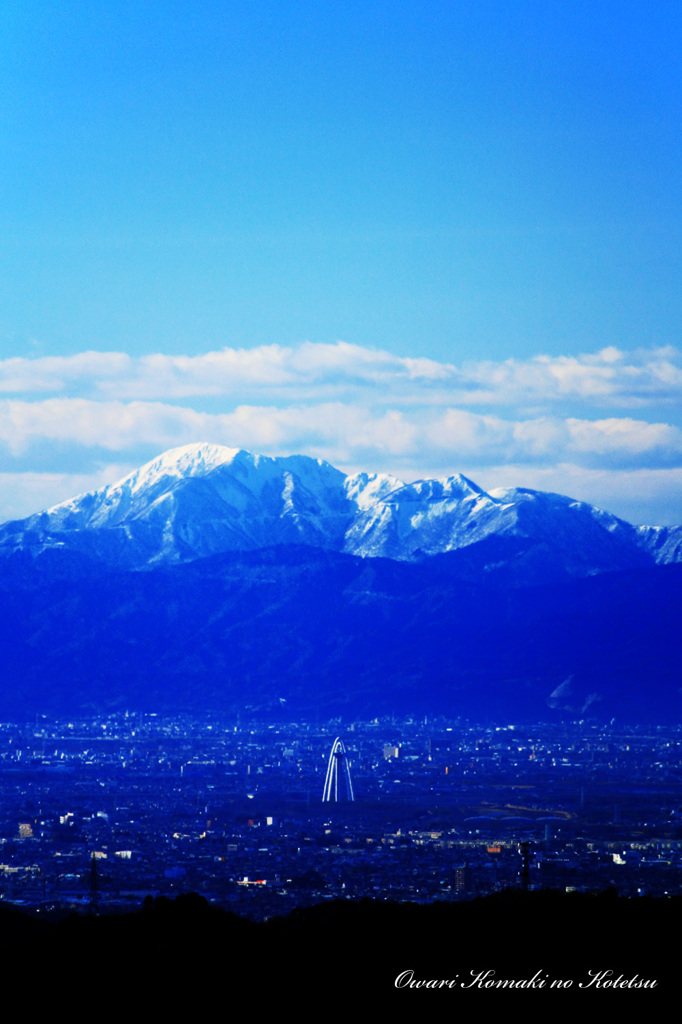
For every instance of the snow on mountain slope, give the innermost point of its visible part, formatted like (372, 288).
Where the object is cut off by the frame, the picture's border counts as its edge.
(423, 518)
(195, 501)
(203, 499)
(663, 543)
(592, 539)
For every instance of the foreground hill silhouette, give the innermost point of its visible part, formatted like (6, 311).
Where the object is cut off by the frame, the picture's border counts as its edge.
(342, 950)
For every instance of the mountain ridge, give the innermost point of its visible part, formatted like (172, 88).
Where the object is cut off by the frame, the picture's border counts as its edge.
(204, 499)
(331, 633)
(214, 578)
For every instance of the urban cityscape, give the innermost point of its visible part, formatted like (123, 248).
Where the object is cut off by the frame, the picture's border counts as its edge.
(101, 813)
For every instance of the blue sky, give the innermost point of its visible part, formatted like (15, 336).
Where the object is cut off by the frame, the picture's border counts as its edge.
(420, 238)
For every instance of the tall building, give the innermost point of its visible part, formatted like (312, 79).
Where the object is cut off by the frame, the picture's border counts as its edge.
(461, 878)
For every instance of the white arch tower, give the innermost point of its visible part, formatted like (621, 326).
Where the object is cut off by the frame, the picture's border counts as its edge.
(338, 785)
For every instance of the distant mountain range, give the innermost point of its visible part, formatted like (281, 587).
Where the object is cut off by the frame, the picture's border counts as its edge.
(205, 499)
(215, 579)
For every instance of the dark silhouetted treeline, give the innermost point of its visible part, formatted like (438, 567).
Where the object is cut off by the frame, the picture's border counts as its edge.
(338, 951)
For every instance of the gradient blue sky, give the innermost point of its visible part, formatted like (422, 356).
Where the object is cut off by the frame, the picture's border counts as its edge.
(421, 238)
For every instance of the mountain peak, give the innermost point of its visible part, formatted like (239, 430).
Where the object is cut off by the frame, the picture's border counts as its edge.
(187, 460)
(202, 499)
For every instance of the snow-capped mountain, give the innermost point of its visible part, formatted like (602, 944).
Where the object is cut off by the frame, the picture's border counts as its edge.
(205, 499)
(347, 594)
(200, 500)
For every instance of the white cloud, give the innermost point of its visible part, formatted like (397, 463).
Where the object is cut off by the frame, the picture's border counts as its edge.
(327, 371)
(56, 373)
(111, 425)
(358, 408)
(340, 430)
(632, 438)
(606, 377)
